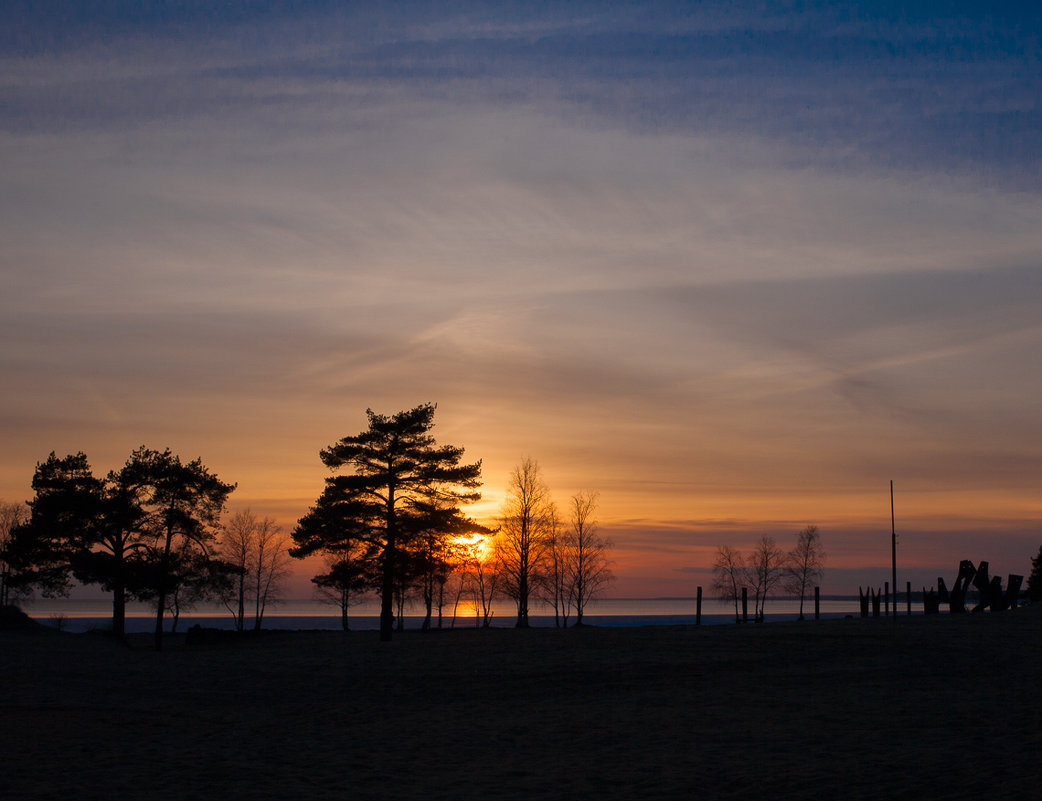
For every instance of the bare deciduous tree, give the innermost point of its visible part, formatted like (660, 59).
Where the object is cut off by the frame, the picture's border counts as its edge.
(729, 576)
(481, 575)
(270, 568)
(765, 568)
(236, 548)
(12, 515)
(474, 575)
(806, 563)
(556, 587)
(588, 570)
(521, 539)
(257, 549)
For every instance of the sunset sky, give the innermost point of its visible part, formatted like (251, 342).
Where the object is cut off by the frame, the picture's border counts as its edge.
(735, 266)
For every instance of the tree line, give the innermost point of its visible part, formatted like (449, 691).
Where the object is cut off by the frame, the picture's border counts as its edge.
(150, 531)
(767, 567)
(389, 522)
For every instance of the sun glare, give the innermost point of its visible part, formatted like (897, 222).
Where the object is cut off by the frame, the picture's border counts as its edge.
(479, 545)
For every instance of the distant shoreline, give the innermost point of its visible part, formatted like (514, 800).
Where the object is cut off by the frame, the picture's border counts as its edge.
(81, 615)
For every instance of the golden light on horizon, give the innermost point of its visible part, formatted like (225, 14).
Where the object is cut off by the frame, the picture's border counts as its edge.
(723, 337)
(478, 546)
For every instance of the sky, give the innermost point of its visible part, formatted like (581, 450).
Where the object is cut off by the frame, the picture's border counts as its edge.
(734, 266)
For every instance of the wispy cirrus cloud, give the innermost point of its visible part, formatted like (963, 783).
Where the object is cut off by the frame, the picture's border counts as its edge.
(739, 260)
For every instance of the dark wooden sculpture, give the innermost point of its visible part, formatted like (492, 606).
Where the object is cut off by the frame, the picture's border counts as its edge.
(989, 591)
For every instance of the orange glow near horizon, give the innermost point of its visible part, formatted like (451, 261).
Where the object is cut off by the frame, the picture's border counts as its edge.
(722, 331)
(479, 545)
(664, 533)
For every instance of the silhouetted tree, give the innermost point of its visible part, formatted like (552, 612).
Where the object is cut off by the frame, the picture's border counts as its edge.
(258, 550)
(123, 532)
(236, 548)
(269, 569)
(396, 467)
(12, 515)
(805, 563)
(64, 519)
(765, 568)
(343, 584)
(555, 588)
(117, 556)
(1034, 587)
(194, 576)
(521, 542)
(484, 576)
(436, 547)
(350, 558)
(587, 566)
(729, 576)
(181, 506)
(84, 527)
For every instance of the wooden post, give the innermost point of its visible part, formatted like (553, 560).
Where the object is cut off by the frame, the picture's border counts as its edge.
(893, 545)
(886, 599)
(908, 597)
(745, 605)
(698, 608)
(817, 603)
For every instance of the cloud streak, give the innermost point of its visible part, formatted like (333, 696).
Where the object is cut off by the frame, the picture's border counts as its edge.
(730, 265)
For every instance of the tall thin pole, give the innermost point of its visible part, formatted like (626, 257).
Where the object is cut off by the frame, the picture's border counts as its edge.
(893, 547)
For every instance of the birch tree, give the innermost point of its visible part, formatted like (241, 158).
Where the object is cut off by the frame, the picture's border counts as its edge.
(587, 567)
(806, 563)
(521, 542)
(556, 584)
(729, 576)
(12, 515)
(765, 569)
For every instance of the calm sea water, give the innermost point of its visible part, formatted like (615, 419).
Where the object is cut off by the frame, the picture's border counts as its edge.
(84, 615)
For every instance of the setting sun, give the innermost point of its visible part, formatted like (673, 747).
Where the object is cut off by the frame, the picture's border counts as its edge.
(476, 546)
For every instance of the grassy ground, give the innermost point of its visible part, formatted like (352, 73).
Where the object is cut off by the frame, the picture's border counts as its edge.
(942, 707)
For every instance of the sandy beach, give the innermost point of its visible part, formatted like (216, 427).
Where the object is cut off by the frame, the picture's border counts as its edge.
(924, 708)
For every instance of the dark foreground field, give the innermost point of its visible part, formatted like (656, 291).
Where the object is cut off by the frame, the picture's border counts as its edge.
(927, 708)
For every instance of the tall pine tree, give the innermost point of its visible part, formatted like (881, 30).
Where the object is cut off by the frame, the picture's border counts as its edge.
(396, 473)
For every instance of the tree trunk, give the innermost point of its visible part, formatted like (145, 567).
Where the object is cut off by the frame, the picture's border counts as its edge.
(522, 601)
(240, 620)
(387, 584)
(258, 607)
(387, 598)
(164, 567)
(119, 611)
